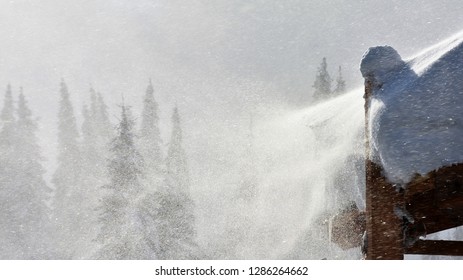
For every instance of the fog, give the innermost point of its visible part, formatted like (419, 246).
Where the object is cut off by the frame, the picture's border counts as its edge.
(234, 69)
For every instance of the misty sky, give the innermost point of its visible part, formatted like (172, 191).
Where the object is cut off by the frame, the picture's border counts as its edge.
(215, 59)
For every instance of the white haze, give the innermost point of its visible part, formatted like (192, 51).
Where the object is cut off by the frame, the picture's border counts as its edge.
(221, 62)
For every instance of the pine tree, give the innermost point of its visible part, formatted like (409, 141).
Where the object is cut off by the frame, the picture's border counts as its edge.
(103, 124)
(340, 83)
(177, 169)
(150, 141)
(94, 147)
(7, 133)
(90, 150)
(23, 192)
(8, 167)
(322, 82)
(34, 192)
(124, 231)
(68, 197)
(7, 118)
(171, 219)
(175, 208)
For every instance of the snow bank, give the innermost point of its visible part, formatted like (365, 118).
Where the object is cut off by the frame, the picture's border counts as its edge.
(415, 116)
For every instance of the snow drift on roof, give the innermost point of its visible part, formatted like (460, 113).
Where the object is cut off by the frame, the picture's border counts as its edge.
(415, 113)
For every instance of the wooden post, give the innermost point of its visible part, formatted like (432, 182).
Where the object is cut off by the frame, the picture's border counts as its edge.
(384, 228)
(437, 247)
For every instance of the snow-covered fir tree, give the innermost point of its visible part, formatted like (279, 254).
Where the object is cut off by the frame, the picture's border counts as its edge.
(175, 208)
(125, 233)
(35, 193)
(9, 242)
(23, 191)
(103, 124)
(7, 119)
(178, 177)
(68, 198)
(150, 141)
(94, 149)
(172, 215)
(340, 83)
(322, 82)
(7, 133)
(96, 136)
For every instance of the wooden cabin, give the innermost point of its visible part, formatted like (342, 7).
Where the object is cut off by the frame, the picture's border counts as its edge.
(398, 220)
(416, 126)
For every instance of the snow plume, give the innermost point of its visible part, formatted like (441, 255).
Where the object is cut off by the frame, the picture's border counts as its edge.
(307, 165)
(313, 166)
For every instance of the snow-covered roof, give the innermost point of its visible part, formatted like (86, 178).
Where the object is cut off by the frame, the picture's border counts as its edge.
(415, 112)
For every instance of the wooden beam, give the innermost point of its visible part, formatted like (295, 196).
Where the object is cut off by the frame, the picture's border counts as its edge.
(436, 247)
(384, 228)
(437, 220)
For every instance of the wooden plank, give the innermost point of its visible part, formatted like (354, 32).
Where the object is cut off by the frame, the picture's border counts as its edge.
(435, 199)
(384, 228)
(437, 220)
(436, 247)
